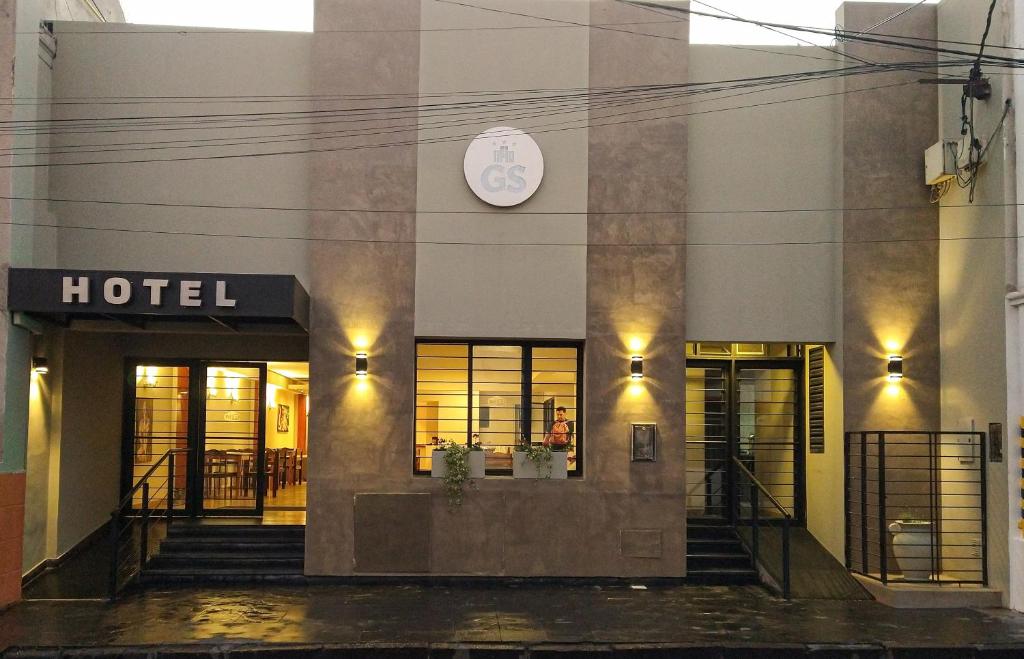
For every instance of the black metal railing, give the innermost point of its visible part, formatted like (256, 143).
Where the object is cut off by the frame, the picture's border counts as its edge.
(916, 506)
(135, 521)
(752, 502)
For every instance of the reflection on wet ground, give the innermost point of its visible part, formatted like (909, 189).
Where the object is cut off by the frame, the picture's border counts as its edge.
(516, 616)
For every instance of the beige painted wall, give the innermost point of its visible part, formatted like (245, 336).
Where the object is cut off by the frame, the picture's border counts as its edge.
(973, 277)
(282, 396)
(525, 275)
(206, 64)
(825, 494)
(774, 157)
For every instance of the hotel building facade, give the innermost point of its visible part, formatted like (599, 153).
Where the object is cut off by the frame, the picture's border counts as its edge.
(322, 256)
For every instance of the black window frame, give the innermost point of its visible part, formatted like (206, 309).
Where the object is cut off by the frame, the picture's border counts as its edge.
(526, 392)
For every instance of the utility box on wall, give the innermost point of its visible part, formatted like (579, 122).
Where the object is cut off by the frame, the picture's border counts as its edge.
(940, 161)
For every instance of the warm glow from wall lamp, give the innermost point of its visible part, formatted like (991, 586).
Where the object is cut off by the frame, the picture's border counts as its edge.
(895, 368)
(362, 364)
(636, 367)
(40, 366)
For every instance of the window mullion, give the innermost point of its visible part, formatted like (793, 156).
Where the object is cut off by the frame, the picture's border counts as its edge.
(526, 394)
(469, 395)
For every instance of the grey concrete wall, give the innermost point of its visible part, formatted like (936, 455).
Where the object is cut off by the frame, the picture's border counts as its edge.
(207, 65)
(525, 274)
(890, 257)
(766, 276)
(972, 274)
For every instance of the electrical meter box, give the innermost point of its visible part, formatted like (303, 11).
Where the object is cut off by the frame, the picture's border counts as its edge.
(940, 161)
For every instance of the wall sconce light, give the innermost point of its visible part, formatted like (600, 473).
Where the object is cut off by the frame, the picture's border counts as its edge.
(362, 364)
(636, 367)
(895, 368)
(40, 365)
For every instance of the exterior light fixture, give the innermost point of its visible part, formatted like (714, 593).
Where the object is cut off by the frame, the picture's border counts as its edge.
(40, 365)
(636, 367)
(362, 364)
(895, 368)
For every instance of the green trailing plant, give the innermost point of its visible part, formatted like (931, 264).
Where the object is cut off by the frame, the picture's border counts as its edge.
(456, 461)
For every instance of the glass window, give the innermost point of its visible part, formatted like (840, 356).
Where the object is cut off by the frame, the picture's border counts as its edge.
(442, 392)
(496, 394)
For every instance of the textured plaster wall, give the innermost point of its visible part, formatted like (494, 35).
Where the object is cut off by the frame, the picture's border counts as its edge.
(973, 274)
(636, 267)
(362, 292)
(890, 289)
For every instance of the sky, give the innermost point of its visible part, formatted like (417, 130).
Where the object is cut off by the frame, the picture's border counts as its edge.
(297, 15)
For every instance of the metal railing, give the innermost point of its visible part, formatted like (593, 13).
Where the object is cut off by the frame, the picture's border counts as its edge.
(131, 523)
(751, 496)
(916, 506)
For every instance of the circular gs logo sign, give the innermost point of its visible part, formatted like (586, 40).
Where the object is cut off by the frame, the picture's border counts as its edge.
(503, 166)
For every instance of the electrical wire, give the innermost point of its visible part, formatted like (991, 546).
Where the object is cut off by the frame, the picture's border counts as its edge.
(457, 138)
(312, 239)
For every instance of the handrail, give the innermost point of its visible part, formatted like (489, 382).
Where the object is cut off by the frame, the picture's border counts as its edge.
(753, 479)
(129, 497)
(756, 488)
(116, 529)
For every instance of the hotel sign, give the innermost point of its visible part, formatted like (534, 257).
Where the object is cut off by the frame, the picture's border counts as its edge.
(503, 166)
(106, 293)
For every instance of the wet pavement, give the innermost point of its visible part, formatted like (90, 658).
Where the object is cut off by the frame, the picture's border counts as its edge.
(498, 620)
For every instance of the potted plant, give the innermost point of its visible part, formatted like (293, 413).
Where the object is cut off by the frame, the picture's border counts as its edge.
(530, 461)
(456, 464)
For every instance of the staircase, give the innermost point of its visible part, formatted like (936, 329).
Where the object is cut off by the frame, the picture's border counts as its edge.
(715, 556)
(194, 552)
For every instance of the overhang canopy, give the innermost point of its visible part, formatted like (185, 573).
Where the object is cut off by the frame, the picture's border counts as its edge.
(144, 300)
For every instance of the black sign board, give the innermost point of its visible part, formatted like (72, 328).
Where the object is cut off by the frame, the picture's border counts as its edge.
(63, 294)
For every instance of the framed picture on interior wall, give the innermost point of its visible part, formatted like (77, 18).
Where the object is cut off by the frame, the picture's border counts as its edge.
(644, 442)
(143, 430)
(284, 414)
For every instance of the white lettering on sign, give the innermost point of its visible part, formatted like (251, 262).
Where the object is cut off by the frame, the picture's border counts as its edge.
(503, 166)
(190, 291)
(76, 291)
(156, 290)
(117, 290)
(222, 296)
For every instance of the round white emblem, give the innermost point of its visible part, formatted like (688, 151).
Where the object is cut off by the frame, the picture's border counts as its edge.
(503, 166)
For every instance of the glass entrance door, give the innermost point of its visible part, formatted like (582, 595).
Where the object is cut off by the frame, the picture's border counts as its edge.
(158, 419)
(232, 462)
(751, 410)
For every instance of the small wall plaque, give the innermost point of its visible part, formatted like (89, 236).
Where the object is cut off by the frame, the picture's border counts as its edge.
(644, 442)
(995, 446)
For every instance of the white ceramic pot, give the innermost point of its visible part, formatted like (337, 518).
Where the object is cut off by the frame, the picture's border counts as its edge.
(557, 469)
(439, 468)
(912, 547)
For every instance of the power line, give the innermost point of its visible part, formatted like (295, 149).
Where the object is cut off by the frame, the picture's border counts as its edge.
(781, 243)
(335, 135)
(439, 140)
(492, 211)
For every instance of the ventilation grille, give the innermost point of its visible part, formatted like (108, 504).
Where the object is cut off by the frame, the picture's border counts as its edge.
(816, 400)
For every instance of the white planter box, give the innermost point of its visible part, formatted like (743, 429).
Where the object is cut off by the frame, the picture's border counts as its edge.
(523, 467)
(438, 467)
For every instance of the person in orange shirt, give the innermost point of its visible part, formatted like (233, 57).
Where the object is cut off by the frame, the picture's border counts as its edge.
(558, 437)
